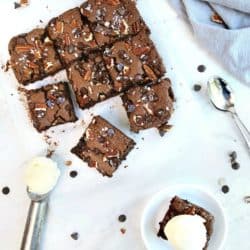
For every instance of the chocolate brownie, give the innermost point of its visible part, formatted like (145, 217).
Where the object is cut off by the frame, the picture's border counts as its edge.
(149, 106)
(71, 35)
(33, 57)
(103, 146)
(111, 20)
(133, 61)
(90, 81)
(50, 105)
(179, 206)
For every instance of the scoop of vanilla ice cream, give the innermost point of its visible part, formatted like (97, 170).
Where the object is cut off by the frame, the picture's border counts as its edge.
(41, 175)
(186, 232)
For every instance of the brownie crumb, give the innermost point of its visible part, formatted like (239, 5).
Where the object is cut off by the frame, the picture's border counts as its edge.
(233, 156)
(164, 129)
(197, 87)
(74, 236)
(41, 21)
(122, 218)
(5, 190)
(123, 230)
(201, 68)
(68, 163)
(6, 67)
(50, 152)
(126, 166)
(73, 174)
(216, 18)
(247, 199)
(225, 189)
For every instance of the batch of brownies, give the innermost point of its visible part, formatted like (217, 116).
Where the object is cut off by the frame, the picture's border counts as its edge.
(106, 49)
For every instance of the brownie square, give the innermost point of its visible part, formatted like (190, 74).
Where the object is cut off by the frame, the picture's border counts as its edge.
(90, 81)
(111, 20)
(71, 35)
(50, 105)
(179, 206)
(133, 61)
(103, 146)
(149, 106)
(33, 57)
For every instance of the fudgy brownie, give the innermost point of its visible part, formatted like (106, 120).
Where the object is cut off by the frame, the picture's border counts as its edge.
(179, 206)
(133, 61)
(149, 106)
(103, 146)
(50, 105)
(33, 57)
(111, 20)
(90, 80)
(72, 36)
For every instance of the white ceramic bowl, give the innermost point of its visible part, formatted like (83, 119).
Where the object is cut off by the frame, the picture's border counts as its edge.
(158, 205)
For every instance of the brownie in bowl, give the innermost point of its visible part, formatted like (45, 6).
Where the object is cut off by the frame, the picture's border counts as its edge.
(133, 61)
(50, 105)
(112, 20)
(33, 57)
(103, 146)
(90, 80)
(71, 35)
(180, 206)
(149, 106)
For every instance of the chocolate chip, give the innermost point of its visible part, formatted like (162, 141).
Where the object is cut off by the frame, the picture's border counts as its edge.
(17, 5)
(233, 156)
(50, 103)
(225, 189)
(5, 190)
(74, 236)
(60, 100)
(110, 132)
(122, 218)
(201, 68)
(197, 87)
(119, 67)
(235, 165)
(73, 174)
(160, 112)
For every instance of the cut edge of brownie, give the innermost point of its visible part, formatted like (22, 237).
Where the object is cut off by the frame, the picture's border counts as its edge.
(179, 206)
(77, 150)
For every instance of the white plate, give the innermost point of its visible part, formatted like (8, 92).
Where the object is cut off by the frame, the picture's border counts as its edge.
(158, 205)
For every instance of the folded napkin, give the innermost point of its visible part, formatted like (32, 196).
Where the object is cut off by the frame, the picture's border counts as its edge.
(229, 41)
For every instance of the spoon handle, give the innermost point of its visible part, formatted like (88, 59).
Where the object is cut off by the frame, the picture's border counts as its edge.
(34, 225)
(243, 129)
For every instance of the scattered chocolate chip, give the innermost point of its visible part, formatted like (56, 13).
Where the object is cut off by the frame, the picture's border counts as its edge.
(73, 174)
(123, 230)
(68, 163)
(74, 236)
(5, 190)
(201, 68)
(233, 156)
(122, 218)
(225, 189)
(247, 199)
(197, 87)
(235, 165)
(17, 5)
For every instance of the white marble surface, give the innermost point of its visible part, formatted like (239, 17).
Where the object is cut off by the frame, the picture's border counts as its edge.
(195, 151)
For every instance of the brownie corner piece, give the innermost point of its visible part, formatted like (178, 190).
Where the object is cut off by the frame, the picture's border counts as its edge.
(112, 20)
(179, 206)
(149, 106)
(33, 57)
(133, 61)
(71, 35)
(90, 80)
(103, 146)
(50, 105)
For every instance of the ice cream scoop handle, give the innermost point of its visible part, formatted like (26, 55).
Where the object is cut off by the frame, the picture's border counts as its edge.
(34, 225)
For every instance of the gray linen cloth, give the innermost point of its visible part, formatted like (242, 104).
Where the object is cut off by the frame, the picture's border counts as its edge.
(230, 44)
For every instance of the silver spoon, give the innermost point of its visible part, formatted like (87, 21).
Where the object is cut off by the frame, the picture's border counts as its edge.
(222, 97)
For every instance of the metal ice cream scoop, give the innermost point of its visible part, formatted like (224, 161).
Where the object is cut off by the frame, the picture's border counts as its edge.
(222, 97)
(39, 201)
